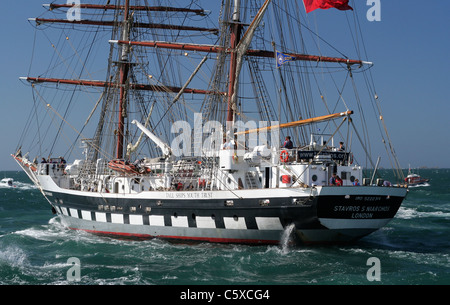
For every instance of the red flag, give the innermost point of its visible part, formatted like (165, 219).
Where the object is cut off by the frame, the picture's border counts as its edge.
(311, 5)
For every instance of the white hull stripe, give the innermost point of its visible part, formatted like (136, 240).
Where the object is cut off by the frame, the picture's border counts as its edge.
(135, 220)
(156, 220)
(205, 222)
(101, 217)
(268, 223)
(86, 215)
(179, 221)
(64, 211)
(235, 223)
(117, 218)
(202, 222)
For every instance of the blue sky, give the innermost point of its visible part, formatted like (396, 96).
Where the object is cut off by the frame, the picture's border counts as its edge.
(409, 46)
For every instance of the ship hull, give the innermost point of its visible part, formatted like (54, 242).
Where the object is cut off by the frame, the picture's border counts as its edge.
(318, 215)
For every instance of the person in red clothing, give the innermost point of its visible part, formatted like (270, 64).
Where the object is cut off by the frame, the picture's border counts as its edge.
(339, 181)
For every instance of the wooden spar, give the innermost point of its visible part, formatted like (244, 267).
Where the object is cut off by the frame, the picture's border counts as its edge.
(136, 24)
(256, 53)
(92, 83)
(299, 123)
(175, 46)
(306, 57)
(132, 8)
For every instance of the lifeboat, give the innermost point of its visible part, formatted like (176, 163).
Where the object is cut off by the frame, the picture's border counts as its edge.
(415, 179)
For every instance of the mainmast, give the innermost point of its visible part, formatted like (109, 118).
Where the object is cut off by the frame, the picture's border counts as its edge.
(124, 68)
(235, 29)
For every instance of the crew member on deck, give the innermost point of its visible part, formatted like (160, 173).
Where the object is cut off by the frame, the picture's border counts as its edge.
(227, 144)
(333, 179)
(288, 143)
(62, 163)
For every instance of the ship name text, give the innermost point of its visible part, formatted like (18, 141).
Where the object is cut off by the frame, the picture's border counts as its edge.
(360, 212)
(189, 195)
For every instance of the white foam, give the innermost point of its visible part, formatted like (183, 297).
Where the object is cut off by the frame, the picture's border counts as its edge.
(54, 230)
(13, 256)
(286, 237)
(410, 213)
(419, 185)
(405, 213)
(41, 233)
(19, 186)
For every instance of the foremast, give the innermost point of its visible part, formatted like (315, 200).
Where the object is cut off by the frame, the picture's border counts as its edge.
(123, 82)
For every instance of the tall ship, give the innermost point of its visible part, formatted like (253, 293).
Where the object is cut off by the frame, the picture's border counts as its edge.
(226, 121)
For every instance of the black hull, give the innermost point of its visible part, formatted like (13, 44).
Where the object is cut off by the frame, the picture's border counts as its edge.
(318, 219)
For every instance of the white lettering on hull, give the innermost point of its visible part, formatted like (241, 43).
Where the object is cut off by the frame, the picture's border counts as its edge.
(333, 223)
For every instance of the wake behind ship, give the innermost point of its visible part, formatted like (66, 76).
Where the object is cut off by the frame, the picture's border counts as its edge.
(227, 175)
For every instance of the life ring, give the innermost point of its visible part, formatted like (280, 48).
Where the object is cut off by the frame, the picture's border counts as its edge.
(284, 156)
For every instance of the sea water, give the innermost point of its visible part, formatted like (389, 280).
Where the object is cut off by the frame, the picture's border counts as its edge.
(414, 248)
